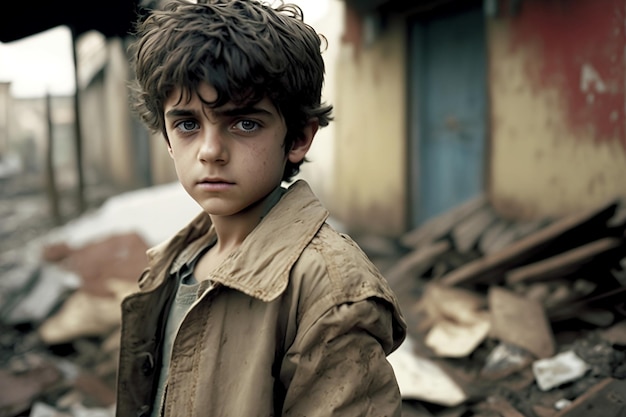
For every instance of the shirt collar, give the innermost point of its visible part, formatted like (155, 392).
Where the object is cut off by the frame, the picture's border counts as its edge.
(261, 265)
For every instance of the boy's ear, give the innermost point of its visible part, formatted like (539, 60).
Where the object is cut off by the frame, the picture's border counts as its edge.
(302, 144)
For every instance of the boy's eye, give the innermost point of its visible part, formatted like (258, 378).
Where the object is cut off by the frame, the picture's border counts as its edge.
(247, 125)
(187, 125)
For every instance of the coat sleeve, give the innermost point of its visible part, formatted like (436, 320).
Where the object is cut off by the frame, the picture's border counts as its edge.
(338, 367)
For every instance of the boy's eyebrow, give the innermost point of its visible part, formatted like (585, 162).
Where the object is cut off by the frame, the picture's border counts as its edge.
(242, 111)
(232, 112)
(180, 112)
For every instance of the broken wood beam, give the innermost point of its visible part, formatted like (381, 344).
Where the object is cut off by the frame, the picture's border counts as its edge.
(561, 235)
(565, 263)
(606, 399)
(441, 225)
(606, 299)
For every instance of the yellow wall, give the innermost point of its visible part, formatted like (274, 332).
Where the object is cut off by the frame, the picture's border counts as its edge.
(540, 166)
(369, 191)
(163, 170)
(320, 171)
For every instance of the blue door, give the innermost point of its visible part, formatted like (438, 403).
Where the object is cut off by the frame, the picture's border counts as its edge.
(448, 107)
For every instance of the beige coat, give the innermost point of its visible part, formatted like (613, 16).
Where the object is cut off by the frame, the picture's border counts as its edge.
(299, 324)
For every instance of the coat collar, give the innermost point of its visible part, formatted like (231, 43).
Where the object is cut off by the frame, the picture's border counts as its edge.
(260, 267)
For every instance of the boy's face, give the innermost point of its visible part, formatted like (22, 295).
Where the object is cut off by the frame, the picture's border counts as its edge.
(228, 158)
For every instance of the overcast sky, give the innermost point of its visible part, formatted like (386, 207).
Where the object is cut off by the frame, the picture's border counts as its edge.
(43, 63)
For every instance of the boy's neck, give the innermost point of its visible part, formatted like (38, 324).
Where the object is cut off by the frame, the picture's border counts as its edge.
(232, 230)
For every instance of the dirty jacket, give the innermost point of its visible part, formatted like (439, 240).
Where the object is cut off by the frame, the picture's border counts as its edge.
(299, 323)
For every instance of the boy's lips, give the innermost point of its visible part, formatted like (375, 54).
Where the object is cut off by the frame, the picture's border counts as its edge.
(214, 181)
(214, 184)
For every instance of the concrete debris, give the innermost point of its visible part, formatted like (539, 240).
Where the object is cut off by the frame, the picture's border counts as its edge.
(421, 378)
(520, 321)
(35, 302)
(548, 286)
(504, 360)
(460, 320)
(60, 297)
(147, 212)
(559, 369)
(99, 315)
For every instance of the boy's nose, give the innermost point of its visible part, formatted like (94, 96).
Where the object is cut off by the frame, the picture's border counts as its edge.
(213, 147)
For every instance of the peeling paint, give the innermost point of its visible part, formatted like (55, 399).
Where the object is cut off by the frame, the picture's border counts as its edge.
(541, 164)
(579, 43)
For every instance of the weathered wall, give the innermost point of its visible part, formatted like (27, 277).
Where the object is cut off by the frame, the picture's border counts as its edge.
(558, 106)
(120, 151)
(320, 172)
(163, 170)
(370, 164)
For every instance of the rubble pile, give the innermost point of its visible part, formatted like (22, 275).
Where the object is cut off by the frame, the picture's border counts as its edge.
(60, 297)
(506, 319)
(510, 319)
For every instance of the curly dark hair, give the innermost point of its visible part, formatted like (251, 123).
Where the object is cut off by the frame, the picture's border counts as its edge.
(244, 49)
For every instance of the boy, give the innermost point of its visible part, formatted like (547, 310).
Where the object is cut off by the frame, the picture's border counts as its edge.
(257, 307)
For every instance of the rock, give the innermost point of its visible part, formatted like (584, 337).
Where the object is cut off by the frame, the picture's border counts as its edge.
(555, 371)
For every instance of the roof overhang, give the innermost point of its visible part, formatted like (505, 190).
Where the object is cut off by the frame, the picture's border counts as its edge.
(112, 18)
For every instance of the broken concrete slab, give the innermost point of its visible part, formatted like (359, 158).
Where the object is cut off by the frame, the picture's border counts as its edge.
(520, 321)
(15, 281)
(136, 211)
(559, 369)
(422, 379)
(84, 314)
(504, 360)
(460, 320)
(119, 256)
(448, 339)
(38, 299)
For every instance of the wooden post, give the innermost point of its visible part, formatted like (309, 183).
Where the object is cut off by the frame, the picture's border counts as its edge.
(80, 193)
(51, 186)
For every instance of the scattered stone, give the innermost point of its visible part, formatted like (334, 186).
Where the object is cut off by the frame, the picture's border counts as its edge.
(422, 379)
(504, 360)
(557, 370)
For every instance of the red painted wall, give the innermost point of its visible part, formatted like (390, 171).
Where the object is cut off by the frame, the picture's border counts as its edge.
(581, 45)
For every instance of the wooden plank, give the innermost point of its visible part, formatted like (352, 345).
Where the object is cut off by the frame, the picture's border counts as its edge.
(414, 264)
(467, 233)
(441, 225)
(563, 264)
(571, 231)
(496, 240)
(606, 299)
